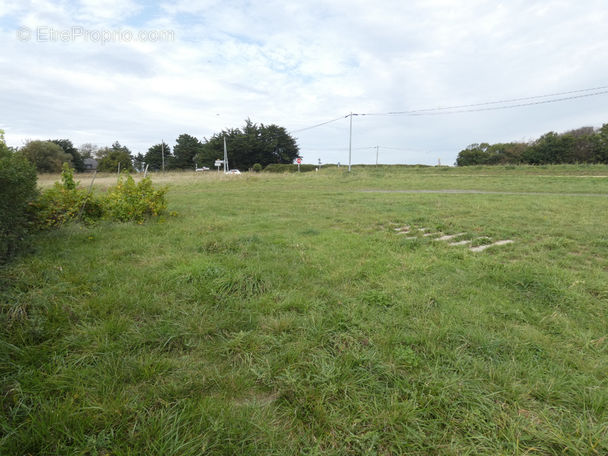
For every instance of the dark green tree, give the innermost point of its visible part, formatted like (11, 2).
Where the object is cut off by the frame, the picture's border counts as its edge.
(46, 156)
(582, 145)
(213, 149)
(138, 161)
(504, 153)
(546, 150)
(68, 148)
(263, 144)
(186, 148)
(279, 145)
(154, 157)
(110, 157)
(474, 154)
(601, 145)
(4, 150)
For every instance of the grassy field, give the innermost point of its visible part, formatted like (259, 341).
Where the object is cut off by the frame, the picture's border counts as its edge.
(283, 314)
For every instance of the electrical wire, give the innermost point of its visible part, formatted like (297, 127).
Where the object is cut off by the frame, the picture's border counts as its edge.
(436, 111)
(496, 108)
(319, 124)
(459, 109)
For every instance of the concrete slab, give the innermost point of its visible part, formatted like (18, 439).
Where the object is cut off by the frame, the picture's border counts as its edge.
(460, 243)
(447, 237)
(481, 248)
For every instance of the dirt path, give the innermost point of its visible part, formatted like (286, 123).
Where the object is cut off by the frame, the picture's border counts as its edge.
(484, 192)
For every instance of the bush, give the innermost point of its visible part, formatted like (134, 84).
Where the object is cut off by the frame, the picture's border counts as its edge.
(257, 168)
(127, 201)
(64, 202)
(130, 201)
(17, 191)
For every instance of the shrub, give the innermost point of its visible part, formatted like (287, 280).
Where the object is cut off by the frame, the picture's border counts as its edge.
(130, 201)
(257, 168)
(64, 202)
(17, 191)
(127, 201)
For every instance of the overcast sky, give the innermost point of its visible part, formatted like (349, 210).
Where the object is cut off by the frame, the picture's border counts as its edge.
(201, 66)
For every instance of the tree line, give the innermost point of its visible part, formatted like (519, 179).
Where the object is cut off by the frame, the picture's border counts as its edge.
(582, 145)
(252, 144)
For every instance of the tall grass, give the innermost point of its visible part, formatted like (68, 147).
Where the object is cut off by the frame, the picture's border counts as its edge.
(282, 314)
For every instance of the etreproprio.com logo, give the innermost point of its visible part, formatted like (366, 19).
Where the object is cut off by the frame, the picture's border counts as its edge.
(46, 34)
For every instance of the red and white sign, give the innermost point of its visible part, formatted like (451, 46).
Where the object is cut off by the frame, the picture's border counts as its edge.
(298, 161)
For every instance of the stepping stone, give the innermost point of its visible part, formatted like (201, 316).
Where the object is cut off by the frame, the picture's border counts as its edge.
(481, 248)
(447, 237)
(460, 243)
(431, 234)
(403, 229)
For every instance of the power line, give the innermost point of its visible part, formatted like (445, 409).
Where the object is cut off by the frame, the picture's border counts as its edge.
(342, 149)
(437, 111)
(496, 108)
(325, 149)
(401, 149)
(459, 108)
(319, 124)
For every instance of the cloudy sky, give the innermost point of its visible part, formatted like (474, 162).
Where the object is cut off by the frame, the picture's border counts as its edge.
(137, 71)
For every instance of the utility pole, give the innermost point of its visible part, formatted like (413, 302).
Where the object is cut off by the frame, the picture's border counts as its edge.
(225, 157)
(162, 151)
(350, 141)
(377, 147)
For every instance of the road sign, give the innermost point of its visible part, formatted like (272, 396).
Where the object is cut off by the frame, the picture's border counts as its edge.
(219, 162)
(299, 160)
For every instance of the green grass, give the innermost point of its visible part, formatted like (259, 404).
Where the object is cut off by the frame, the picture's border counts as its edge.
(282, 314)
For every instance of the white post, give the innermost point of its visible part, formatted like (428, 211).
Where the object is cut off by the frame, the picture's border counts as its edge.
(225, 156)
(377, 147)
(162, 148)
(350, 141)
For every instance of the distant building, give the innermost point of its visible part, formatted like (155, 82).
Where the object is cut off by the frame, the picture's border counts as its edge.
(90, 164)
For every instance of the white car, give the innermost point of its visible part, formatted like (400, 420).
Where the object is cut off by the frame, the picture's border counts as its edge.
(233, 171)
(204, 168)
